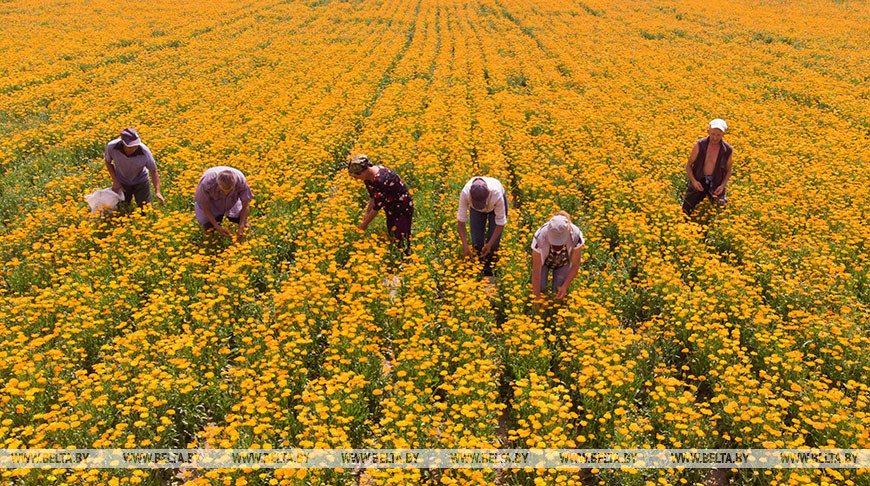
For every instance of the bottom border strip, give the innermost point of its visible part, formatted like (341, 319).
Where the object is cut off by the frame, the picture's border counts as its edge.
(434, 458)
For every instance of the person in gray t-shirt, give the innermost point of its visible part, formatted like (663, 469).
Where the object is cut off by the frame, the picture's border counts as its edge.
(130, 162)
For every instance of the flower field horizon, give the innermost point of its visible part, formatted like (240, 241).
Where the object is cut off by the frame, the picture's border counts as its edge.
(745, 327)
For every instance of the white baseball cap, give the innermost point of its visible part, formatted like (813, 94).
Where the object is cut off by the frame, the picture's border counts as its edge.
(558, 230)
(719, 123)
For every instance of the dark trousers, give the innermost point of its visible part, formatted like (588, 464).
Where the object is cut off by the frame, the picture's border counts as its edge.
(141, 191)
(481, 226)
(693, 197)
(218, 218)
(400, 229)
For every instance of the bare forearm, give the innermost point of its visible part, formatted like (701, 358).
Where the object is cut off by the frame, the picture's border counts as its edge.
(111, 168)
(689, 171)
(369, 216)
(536, 273)
(208, 215)
(243, 217)
(496, 233)
(463, 235)
(575, 267)
(690, 164)
(155, 180)
(572, 274)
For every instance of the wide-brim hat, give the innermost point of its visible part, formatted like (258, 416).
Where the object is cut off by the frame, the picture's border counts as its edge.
(558, 230)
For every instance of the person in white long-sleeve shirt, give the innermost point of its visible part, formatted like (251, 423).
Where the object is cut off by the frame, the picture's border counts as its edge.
(483, 204)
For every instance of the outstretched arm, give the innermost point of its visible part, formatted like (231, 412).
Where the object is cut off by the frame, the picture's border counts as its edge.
(369, 215)
(572, 273)
(243, 220)
(496, 233)
(536, 273)
(116, 184)
(210, 217)
(719, 190)
(463, 237)
(155, 179)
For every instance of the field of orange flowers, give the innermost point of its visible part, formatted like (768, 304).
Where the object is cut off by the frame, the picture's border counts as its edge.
(745, 327)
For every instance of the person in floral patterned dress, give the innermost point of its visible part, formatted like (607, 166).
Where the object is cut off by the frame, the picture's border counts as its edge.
(386, 190)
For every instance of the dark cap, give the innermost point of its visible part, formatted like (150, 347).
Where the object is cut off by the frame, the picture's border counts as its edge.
(130, 138)
(479, 194)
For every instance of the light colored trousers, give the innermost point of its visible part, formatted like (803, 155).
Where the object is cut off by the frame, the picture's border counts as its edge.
(559, 276)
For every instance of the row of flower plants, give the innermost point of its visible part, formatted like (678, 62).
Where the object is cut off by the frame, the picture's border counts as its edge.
(741, 328)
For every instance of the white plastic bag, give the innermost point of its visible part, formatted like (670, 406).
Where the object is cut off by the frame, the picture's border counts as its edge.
(103, 201)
